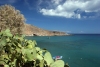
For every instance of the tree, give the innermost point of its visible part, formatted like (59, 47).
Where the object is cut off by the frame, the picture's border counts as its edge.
(12, 19)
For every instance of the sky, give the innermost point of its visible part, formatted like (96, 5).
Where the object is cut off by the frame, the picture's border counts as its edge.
(70, 16)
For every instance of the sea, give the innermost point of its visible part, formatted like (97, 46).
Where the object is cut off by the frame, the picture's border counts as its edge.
(78, 50)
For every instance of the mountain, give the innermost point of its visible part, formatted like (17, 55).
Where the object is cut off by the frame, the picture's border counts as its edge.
(31, 30)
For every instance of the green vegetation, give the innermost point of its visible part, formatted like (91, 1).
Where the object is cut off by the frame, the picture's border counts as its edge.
(16, 51)
(12, 19)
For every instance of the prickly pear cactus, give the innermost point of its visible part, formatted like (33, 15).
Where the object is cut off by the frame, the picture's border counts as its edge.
(30, 54)
(15, 51)
(48, 58)
(4, 37)
(6, 65)
(41, 63)
(58, 63)
(2, 61)
(37, 49)
(39, 57)
(6, 33)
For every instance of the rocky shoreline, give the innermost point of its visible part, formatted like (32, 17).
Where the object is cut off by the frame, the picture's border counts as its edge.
(31, 30)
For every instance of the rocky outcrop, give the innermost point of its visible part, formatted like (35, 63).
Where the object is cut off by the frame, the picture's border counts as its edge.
(31, 30)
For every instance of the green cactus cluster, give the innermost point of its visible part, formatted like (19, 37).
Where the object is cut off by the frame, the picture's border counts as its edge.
(15, 51)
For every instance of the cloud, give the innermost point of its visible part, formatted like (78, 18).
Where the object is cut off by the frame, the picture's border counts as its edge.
(56, 1)
(7, 1)
(71, 8)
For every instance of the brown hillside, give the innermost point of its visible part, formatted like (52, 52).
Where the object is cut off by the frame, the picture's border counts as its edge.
(31, 30)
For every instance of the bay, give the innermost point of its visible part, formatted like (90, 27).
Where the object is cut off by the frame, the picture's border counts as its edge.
(77, 50)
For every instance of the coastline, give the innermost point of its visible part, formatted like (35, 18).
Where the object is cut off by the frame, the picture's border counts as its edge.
(49, 35)
(31, 30)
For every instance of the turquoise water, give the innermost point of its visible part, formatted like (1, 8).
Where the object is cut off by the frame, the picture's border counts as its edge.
(77, 50)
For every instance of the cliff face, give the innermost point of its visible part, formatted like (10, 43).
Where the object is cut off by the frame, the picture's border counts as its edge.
(35, 31)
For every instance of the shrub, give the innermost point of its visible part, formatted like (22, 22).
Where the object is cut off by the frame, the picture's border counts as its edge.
(16, 51)
(12, 19)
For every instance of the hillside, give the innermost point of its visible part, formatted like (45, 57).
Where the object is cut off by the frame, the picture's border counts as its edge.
(31, 30)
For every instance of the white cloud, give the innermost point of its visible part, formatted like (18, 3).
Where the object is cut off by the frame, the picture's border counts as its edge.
(56, 1)
(68, 7)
